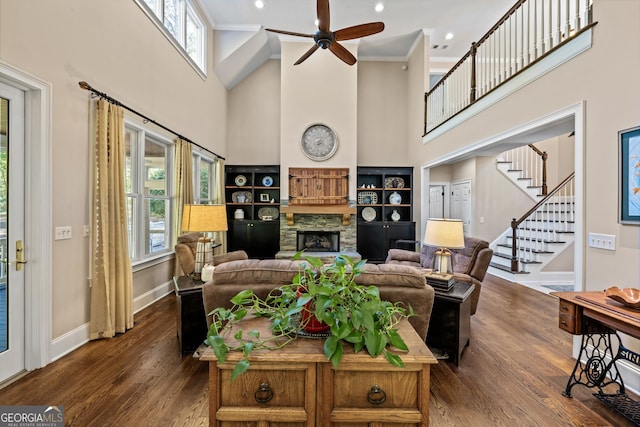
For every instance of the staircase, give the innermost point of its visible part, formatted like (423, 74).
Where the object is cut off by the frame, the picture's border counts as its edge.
(540, 235)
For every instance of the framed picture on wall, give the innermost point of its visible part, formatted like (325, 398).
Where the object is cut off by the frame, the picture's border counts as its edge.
(630, 176)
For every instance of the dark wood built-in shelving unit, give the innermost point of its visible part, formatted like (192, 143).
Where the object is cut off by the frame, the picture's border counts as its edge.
(376, 185)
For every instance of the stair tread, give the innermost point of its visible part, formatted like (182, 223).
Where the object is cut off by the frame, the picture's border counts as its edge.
(507, 269)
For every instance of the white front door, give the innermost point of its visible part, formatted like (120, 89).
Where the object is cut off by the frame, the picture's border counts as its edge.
(12, 283)
(461, 204)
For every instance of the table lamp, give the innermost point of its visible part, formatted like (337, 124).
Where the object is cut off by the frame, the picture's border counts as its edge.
(445, 234)
(204, 218)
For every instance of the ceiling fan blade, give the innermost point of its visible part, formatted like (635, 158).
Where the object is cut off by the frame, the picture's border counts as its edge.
(358, 31)
(290, 33)
(324, 18)
(342, 53)
(307, 54)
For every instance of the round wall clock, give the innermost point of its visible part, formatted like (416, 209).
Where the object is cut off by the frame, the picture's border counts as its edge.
(319, 142)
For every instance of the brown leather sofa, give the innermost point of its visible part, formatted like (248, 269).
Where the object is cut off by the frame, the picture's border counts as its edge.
(397, 283)
(469, 264)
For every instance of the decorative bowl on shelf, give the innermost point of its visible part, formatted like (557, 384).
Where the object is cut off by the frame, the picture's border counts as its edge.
(629, 297)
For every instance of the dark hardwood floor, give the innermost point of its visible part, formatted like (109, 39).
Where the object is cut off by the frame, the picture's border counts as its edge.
(512, 374)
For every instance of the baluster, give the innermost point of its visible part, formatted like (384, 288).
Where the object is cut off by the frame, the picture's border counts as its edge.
(576, 22)
(550, 28)
(557, 38)
(542, 44)
(567, 23)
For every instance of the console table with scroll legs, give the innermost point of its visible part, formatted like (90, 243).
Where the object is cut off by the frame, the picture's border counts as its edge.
(599, 319)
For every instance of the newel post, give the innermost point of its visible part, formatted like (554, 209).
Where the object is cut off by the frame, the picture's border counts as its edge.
(544, 173)
(473, 73)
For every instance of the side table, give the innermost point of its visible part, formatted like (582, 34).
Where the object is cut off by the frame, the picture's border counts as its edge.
(190, 320)
(450, 325)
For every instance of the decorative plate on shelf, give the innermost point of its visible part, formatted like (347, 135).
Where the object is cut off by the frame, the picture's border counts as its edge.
(394, 182)
(267, 181)
(368, 214)
(274, 213)
(367, 198)
(241, 180)
(241, 197)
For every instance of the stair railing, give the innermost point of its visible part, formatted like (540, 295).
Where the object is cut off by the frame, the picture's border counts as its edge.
(529, 31)
(532, 162)
(556, 211)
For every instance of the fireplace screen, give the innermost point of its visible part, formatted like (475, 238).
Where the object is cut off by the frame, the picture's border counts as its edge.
(318, 241)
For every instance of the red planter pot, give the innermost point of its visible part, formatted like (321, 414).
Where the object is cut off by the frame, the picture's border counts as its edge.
(309, 319)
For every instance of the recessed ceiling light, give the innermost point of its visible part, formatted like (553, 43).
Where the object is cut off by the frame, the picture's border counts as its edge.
(449, 36)
(259, 4)
(379, 7)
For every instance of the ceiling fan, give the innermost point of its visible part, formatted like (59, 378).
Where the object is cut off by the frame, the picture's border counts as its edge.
(327, 39)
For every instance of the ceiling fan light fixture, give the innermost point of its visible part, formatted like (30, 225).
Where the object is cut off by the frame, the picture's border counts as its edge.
(379, 7)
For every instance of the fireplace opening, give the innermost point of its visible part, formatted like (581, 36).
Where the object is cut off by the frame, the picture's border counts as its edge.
(318, 241)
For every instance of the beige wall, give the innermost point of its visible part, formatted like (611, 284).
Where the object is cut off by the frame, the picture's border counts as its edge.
(254, 118)
(115, 48)
(609, 108)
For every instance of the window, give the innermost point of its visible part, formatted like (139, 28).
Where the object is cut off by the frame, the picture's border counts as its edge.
(149, 189)
(181, 23)
(203, 179)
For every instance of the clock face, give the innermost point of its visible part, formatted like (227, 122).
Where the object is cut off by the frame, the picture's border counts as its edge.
(319, 142)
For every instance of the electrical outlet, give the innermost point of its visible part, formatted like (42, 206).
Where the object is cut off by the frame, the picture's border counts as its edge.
(87, 230)
(602, 241)
(63, 233)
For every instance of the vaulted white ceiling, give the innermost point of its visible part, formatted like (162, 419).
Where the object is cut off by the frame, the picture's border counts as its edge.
(244, 45)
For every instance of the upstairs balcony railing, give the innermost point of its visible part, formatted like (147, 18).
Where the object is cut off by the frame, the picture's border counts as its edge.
(528, 32)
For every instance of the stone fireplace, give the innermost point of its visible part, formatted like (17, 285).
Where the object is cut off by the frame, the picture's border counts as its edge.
(343, 233)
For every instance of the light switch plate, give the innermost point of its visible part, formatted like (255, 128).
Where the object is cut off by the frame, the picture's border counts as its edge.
(602, 241)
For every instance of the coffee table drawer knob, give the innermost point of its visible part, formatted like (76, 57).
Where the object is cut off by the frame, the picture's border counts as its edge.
(376, 395)
(263, 394)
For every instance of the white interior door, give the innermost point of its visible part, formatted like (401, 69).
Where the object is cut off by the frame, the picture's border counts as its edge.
(436, 201)
(12, 166)
(461, 204)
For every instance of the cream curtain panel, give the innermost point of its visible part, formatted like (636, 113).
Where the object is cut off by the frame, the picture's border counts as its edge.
(219, 199)
(112, 279)
(183, 178)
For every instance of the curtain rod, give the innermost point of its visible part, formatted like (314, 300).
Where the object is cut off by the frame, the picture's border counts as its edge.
(86, 86)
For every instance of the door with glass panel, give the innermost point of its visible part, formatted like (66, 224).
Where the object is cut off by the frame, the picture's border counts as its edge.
(12, 251)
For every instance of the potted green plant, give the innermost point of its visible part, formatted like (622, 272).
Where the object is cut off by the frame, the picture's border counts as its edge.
(354, 314)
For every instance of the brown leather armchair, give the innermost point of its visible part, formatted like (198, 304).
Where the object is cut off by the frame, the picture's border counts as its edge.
(469, 264)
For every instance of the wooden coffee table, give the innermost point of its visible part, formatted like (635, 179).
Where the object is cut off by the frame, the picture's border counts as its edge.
(450, 324)
(296, 384)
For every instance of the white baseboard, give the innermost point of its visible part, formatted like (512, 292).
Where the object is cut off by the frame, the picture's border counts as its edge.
(79, 336)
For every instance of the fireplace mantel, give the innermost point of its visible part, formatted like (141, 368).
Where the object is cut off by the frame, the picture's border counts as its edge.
(344, 210)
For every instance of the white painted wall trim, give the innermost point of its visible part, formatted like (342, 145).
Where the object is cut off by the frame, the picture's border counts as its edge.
(79, 336)
(38, 212)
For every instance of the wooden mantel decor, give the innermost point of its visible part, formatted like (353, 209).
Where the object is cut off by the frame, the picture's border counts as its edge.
(319, 191)
(344, 210)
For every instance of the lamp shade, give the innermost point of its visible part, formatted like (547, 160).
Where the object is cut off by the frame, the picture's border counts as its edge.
(444, 233)
(204, 218)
